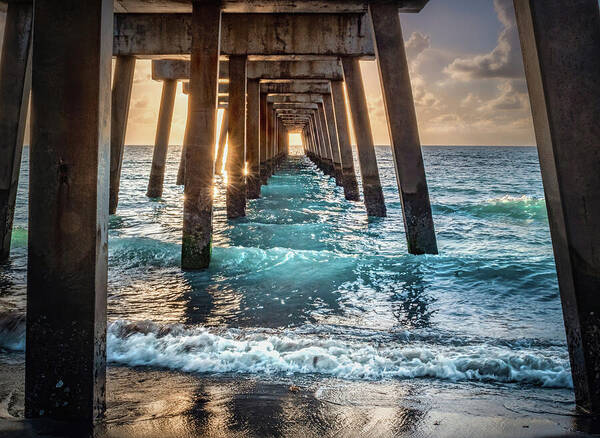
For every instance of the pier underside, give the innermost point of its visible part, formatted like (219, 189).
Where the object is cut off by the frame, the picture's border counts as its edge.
(277, 68)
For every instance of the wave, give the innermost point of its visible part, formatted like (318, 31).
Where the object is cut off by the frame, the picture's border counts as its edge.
(513, 207)
(300, 351)
(263, 352)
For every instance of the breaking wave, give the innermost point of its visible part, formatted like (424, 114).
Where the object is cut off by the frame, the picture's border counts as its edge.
(512, 207)
(296, 351)
(266, 352)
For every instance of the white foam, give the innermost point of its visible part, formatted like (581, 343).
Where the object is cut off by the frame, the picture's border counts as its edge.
(271, 352)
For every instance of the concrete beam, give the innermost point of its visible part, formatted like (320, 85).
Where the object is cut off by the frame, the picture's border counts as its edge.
(262, 6)
(560, 43)
(223, 89)
(179, 69)
(148, 35)
(294, 106)
(295, 87)
(295, 98)
(320, 70)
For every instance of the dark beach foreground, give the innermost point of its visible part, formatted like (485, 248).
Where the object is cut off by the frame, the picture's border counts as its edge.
(150, 403)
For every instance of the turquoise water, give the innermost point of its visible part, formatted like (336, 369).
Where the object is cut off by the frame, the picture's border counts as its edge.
(306, 284)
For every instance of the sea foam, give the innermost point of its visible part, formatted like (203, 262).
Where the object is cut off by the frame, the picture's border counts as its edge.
(261, 351)
(294, 351)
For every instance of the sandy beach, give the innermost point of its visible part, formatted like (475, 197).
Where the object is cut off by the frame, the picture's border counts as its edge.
(144, 402)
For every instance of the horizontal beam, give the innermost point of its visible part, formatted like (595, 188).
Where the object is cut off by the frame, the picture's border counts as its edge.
(261, 6)
(295, 87)
(295, 98)
(294, 106)
(331, 35)
(222, 92)
(179, 69)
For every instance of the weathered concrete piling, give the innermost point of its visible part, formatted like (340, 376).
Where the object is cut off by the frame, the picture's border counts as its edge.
(236, 151)
(220, 159)
(161, 142)
(15, 83)
(253, 140)
(348, 173)
(202, 117)
(121, 98)
(65, 364)
(372, 192)
(560, 44)
(403, 130)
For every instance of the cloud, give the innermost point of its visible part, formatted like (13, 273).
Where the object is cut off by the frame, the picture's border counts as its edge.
(509, 99)
(417, 44)
(504, 61)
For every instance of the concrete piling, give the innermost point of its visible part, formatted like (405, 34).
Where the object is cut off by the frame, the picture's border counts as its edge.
(333, 138)
(263, 138)
(270, 138)
(326, 140)
(65, 365)
(404, 133)
(15, 84)
(202, 117)
(236, 150)
(348, 173)
(161, 142)
(121, 98)
(560, 44)
(372, 192)
(253, 140)
(220, 160)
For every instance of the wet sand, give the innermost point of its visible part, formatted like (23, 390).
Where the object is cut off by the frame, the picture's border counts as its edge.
(155, 403)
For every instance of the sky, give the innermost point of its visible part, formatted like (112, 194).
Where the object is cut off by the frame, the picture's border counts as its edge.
(466, 72)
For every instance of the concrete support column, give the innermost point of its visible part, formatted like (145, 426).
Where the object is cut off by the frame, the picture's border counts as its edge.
(236, 150)
(253, 140)
(202, 118)
(372, 192)
(560, 44)
(323, 146)
(326, 140)
(263, 138)
(271, 138)
(317, 142)
(403, 129)
(275, 141)
(15, 84)
(181, 170)
(161, 141)
(333, 138)
(348, 174)
(121, 97)
(220, 155)
(65, 366)
(220, 160)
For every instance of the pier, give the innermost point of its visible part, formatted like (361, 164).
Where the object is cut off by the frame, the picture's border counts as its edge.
(275, 68)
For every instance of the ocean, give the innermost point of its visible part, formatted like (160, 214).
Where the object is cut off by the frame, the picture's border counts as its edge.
(307, 289)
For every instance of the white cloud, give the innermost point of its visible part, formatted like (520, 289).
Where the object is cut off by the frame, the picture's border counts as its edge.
(504, 61)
